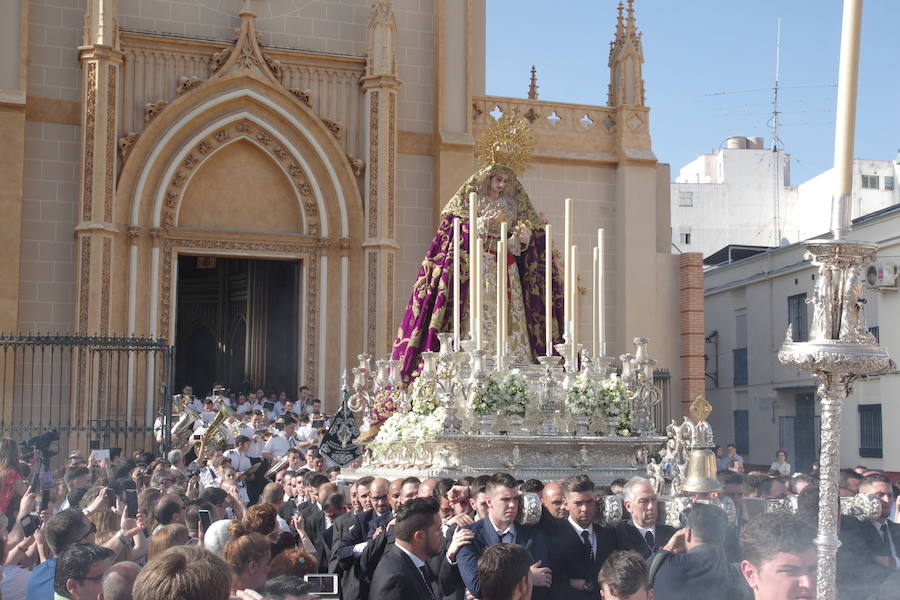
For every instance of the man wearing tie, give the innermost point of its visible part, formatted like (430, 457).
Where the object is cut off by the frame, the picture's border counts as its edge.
(869, 549)
(403, 573)
(580, 547)
(641, 533)
(500, 527)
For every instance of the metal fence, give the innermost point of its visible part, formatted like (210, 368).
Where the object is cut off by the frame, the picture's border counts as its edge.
(98, 392)
(662, 412)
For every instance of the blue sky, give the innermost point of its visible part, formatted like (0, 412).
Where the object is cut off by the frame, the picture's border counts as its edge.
(696, 49)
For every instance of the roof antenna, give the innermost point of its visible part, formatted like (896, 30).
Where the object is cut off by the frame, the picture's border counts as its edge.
(774, 121)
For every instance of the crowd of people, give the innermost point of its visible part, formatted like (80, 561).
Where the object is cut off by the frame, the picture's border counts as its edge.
(262, 516)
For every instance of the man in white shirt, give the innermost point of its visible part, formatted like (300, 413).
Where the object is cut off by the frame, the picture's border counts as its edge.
(238, 455)
(278, 444)
(306, 435)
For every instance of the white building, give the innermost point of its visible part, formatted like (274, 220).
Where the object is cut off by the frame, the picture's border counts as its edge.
(742, 195)
(760, 404)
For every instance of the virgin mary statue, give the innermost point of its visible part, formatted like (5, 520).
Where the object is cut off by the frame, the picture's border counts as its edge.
(504, 151)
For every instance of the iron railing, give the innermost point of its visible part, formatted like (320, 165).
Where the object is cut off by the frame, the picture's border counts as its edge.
(662, 412)
(98, 392)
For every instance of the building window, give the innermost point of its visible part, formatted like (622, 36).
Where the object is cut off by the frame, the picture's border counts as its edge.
(685, 238)
(870, 182)
(870, 431)
(740, 366)
(874, 331)
(888, 182)
(797, 317)
(742, 432)
(686, 199)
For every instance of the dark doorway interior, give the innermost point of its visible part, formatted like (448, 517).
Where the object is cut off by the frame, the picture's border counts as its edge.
(237, 323)
(804, 432)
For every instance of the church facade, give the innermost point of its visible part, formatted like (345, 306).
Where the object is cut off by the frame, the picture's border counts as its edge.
(257, 181)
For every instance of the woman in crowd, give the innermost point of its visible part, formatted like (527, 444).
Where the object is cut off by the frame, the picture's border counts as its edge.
(781, 465)
(12, 487)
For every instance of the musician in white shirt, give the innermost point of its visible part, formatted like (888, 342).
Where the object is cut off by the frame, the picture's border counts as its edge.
(278, 444)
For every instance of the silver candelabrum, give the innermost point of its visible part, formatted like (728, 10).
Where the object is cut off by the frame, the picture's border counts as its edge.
(549, 405)
(839, 351)
(363, 389)
(637, 377)
(443, 369)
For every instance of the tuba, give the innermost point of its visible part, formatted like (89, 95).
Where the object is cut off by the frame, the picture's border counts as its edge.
(214, 438)
(182, 428)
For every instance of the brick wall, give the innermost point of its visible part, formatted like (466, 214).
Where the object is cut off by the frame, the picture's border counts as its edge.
(692, 328)
(47, 281)
(54, 34)
(414, 224)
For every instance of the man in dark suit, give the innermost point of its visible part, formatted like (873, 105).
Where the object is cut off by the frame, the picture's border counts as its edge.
(500, 527)
(403, 573)
(641, 533)
(354, 541)
(869, 549)
(579, 547)
(692, 565)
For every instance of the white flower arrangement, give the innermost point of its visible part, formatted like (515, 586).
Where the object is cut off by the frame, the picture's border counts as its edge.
(513, 394)
(424, 396)
(486, 400)
(585, 397)
(614, 404)
(405, 427)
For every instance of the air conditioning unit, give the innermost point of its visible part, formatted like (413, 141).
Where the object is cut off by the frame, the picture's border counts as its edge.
(881, 275)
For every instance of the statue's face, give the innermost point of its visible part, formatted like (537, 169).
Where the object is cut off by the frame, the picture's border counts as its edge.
(498, 184)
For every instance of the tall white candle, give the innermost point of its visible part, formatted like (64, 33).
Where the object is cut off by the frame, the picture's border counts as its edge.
(548, 289)
(567, 259)
(573, 294)
(601, 329)
(499, 303)
(479, 248)
(502, 250)
(456, 307)
(594, 321)
(473, 261)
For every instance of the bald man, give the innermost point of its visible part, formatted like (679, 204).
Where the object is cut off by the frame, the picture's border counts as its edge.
(426, 488)
(118, 581)
(394, 490)
(554, 501)
(354, 542)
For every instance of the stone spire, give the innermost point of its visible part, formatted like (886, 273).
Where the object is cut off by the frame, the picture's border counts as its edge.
(626, 57)
(533, 86)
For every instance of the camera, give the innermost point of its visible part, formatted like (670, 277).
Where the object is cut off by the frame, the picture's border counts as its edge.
(41, 441)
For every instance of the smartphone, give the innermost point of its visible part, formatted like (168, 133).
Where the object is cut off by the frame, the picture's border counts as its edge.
(30, 523)
(131, 503)
(205, 519)
(322, 583)
(196, 436)
(45, 499)
(46, 480)
(110, 497)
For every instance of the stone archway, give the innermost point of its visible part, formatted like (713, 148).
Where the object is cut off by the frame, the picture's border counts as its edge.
(170, 200)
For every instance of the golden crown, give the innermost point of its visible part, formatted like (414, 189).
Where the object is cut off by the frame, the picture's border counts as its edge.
(507, 141)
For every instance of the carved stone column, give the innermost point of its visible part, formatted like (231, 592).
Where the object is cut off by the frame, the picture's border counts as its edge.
(101, 60)
(380, 85)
